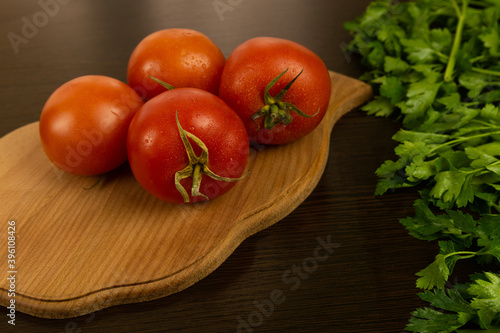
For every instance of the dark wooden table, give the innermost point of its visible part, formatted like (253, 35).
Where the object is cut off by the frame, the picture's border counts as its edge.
(366, 285)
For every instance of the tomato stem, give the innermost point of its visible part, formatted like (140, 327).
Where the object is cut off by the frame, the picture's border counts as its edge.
(162, 83)
(197, 175)
(197, 166)
(276, 111)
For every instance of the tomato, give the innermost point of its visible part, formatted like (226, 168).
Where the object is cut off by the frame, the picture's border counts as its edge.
(179, 57)
(84, 124)
(275, 112)
(158, 156)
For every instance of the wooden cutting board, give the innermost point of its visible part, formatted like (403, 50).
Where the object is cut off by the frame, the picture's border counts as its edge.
(78, 250)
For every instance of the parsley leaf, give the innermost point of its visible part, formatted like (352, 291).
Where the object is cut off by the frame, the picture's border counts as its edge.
(392, 88)
(456, 308)
(428, 320)
(486, 298)
(379, 106)
(433, 65)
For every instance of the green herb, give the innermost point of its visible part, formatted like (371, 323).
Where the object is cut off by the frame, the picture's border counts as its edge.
(434, 65)
(475, 302)
(465, 238)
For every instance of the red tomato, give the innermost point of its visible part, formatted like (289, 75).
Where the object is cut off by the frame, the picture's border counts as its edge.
(179, 57)
(84, 124)
(271, 118)
(157, 153)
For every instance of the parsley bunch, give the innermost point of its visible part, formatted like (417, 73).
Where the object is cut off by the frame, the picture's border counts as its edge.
(462, 237)
(434, 65)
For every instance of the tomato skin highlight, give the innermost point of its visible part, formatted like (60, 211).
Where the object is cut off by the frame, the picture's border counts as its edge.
(255, 63)
(156, 151)
(179, 57)
(84, 124)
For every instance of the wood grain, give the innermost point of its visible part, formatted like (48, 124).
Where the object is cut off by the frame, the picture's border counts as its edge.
(80, 250)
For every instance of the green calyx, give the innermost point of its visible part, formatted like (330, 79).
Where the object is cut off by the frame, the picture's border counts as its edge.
(197, 166)
(276, 111)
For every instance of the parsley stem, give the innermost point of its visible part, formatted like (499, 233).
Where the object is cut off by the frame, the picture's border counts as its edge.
(484, 58)
(486, 124)
(478, 58)
(485, 71)
(488, 128)
(480, 171)
(457, 9)
(460, 140)
(443, 56)
(465, 254)
(450, 67)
